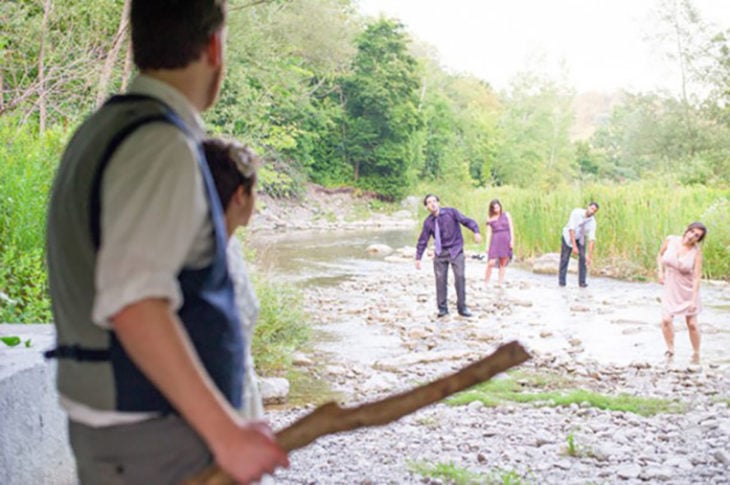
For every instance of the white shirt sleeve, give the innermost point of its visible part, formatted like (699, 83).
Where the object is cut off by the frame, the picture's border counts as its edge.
(575, 218)
(154, 221)
(592, 230)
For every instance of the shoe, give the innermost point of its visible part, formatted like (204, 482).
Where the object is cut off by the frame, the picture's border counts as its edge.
(465, 313)
(584, 285)
(442, 313)
(562, 285)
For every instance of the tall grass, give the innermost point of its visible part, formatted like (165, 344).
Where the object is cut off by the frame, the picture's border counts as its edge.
(27, 163)
(633, 220)
(282, 328)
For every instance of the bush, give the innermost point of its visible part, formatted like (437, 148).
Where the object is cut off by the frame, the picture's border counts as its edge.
(282, 326)
(716, 251)
(24, 282)
(26, 173)
(281, 181)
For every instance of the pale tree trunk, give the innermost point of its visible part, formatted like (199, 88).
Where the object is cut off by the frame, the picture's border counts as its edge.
(41, 68)
(423, 95)
(680, 10)
(111, 58)
(127, 65)
(680, 50)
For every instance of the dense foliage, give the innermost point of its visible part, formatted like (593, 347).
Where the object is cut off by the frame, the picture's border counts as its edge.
(356, 101)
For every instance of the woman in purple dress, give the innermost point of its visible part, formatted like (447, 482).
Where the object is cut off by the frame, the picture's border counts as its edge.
(500, 239)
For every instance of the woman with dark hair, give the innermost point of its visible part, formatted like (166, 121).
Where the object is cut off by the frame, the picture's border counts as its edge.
(679, 269)
(500, 240)
(233, 167)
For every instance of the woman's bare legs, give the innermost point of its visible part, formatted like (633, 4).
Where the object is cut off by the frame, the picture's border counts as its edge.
(502, 269)
(668, 332)
(694, 337)
(488, 274)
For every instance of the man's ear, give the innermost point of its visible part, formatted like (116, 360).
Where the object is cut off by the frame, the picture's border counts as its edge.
(214, 49)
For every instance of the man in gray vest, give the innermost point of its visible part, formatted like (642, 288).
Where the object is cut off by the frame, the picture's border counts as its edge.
(150, 351)
(581, 228)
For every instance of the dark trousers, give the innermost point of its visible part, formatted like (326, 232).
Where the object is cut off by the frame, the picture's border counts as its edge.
(565, 252)
(160, 451)
(441, 271)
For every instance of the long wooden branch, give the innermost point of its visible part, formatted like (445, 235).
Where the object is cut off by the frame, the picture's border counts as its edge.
(330, 418)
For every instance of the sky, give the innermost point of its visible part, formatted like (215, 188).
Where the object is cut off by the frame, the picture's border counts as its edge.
(600, 44)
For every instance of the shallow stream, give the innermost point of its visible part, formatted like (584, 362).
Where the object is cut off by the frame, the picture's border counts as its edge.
(611, 321)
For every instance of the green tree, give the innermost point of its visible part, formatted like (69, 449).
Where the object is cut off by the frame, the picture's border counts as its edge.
(277, 92)
(460, 117)
(381, 102)
(533, 146)
(53, 57)
(477, 110)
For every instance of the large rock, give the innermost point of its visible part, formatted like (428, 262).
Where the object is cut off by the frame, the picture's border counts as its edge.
(407, 360)
(404, 214)
(379, 249)
(549, 263)
(274, 390)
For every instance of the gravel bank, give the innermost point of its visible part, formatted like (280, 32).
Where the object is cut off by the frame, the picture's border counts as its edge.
(389, 340)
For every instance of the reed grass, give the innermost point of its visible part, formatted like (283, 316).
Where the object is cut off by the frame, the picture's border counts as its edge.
(633, 220)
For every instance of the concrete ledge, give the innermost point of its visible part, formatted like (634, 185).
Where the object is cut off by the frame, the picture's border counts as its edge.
(33, 436)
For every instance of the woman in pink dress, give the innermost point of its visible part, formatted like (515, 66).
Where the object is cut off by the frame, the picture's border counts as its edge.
(500, 240)
(679, 268)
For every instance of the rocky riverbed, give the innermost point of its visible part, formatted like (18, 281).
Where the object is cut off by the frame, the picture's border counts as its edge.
(383, 337)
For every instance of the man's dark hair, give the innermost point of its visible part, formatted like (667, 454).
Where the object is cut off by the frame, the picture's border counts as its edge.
(430, 195)
(594, 203)
(170, 34)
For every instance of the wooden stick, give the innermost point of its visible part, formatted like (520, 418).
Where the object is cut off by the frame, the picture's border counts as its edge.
(330, 418)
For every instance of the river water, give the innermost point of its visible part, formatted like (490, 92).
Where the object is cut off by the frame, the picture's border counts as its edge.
(611, 321)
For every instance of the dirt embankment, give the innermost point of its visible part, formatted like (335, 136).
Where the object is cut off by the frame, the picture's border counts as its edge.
(325, 208)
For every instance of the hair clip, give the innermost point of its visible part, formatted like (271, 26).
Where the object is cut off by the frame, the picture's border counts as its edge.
(247, 162)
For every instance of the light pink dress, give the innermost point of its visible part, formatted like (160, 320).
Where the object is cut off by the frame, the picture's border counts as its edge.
(678, 275)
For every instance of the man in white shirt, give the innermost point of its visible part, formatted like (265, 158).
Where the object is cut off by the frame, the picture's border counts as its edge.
(581, 226)
(150, 353)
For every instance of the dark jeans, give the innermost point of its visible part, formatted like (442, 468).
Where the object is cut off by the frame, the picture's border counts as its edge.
(441, 271)
(565, 252)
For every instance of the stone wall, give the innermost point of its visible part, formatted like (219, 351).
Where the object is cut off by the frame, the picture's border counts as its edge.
(33, 437)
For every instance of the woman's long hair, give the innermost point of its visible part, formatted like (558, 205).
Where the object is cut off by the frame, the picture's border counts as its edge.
(492, 210)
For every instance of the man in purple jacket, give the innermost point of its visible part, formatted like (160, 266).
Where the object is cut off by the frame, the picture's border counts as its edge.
(443, 225)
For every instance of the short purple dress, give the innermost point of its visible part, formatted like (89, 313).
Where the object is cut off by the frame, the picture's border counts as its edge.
(499, 245)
